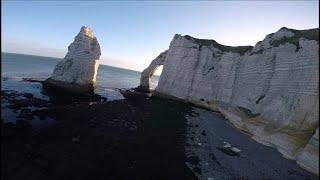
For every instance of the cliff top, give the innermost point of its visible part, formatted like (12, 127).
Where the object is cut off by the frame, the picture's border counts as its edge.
(277, 39)
(310, 34)
(209, 42)
(87, 31)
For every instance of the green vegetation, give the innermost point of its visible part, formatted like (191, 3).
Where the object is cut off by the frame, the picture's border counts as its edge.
(310, 34)
(207, 42)
(248, 113)
(257, 52)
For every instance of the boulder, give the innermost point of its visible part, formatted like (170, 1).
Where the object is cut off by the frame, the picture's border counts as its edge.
(308, 158)
(230, 150)
(77, 72)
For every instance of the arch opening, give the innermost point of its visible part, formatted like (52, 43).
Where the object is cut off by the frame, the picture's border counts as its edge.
(154, 78)
(148, 81)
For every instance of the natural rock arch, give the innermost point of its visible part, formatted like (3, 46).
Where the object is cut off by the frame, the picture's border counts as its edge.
(149, 71)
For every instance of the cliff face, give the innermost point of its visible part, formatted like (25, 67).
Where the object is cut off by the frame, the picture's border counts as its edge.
(270, 90)
(78, 70)
(148, 72)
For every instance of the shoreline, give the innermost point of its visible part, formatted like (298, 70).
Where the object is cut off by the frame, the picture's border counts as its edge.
(248, 125)
(140, 136)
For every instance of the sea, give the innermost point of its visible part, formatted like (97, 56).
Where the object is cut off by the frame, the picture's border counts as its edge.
(174, 138)
(109, 78)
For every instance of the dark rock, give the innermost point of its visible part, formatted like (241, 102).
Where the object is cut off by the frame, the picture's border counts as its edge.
(25, 114)
(194, 160)
(23, 124)
(197, 170)
(76, 139)
(27, 95)
(41, 162)
(204, 133)
(228, 149)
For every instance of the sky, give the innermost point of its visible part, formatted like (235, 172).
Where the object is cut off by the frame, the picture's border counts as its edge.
(132, 33)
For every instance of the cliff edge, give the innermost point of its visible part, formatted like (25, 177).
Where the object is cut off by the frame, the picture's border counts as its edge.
(270, 90)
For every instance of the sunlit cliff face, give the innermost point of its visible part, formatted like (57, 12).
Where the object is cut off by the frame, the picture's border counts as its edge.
(96, 67)
(80, 65)
(88, 32)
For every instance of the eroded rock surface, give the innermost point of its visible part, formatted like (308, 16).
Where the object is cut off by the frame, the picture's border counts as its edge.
(148, 72)
(309, 156)
(270, 90)
(78, 70)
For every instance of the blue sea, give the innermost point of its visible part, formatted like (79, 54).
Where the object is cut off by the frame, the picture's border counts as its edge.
(18, 66)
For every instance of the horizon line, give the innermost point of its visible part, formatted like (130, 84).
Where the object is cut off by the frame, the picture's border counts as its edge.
(62, 59)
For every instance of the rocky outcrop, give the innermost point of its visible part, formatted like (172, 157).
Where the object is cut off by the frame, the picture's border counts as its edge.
(270, 90)
(148, 72)
(78, 70)
(309, 156)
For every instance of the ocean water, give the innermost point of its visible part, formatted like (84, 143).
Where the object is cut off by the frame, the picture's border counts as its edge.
(18, 66)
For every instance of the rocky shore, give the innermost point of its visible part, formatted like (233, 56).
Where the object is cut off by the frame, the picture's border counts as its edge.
(49, 135)
(83, 137)
(270, 90)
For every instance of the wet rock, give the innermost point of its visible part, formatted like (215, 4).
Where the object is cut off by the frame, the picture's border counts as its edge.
(41, 162)
(25, 114)
(76, 139)
(204, 133)
(236, 150)
(194, 160)
(8, 130)
(23, 124)
(27, 95)
(226, 145)
(228, 149)
(197, 170)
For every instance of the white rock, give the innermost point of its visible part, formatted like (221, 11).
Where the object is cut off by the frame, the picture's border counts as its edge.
(78, 70)
(309, 156)
(236, 150)
(274, 84)
(226, 145)
(148, 72)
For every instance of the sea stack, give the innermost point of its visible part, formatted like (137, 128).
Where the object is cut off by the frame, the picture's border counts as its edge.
(77, 72)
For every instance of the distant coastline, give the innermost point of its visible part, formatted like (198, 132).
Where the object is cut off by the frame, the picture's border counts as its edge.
(31, 55)
(55, 58)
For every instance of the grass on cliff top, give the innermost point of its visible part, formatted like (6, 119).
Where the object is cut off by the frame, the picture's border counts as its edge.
(207, 42)
(310, 34)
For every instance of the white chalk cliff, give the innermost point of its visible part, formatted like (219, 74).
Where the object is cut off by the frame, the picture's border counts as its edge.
(270, 90)
(78, 70)
(149, 71)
